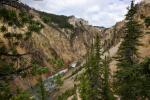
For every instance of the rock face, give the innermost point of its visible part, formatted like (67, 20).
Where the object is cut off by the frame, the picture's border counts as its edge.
(70, 45)
(146, 1)
(76, 21)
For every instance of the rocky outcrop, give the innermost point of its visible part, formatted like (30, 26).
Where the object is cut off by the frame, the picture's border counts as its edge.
(76, 21)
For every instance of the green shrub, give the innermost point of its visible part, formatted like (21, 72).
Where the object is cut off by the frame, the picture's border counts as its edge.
(28, 33)
(3, 29)
(60, 20)
(7, 35)
(46, 19)
(18, 36)
(22, 95)
(74, 97)
(5, 90)
(38, 70)
(10, 35)
(58, 62)
(4, 13)
(6, 68)
(67, 94)
(10, 17)
(147, 21)
(25, 18)
(3, 49)
(35, 26)
(58, 80)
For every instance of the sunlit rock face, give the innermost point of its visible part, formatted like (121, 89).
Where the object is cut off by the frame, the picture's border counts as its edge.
(76, 21)
(72, 45)
(146, 1)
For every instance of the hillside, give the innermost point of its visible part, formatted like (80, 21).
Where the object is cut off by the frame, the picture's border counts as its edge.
(61, 37)
(56, 41)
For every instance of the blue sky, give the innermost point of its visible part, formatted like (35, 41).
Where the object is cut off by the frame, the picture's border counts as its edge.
(97, 12)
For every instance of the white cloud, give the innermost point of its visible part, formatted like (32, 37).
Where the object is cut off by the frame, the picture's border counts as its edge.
(97, 12)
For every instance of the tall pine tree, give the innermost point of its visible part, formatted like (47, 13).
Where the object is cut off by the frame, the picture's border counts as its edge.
(128, 58)
(107, 93)
(94, 82)
(91, 81)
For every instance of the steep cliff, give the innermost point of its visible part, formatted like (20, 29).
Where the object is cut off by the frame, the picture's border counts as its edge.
(63, 39)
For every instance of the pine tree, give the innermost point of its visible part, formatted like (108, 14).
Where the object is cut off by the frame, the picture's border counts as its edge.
(107, 93)
(144, 79)
(128, 58)
(94, 82)
(91, 81)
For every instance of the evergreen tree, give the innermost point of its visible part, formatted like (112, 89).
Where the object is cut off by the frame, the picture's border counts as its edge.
(144, 79)
(91, 81)
(42, 89)
(126, 80)
(107, 93)
(94, 82)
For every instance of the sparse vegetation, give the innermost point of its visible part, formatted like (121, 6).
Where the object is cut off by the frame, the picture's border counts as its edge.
(58, 62)
(3, 29)
(25, 18)
(58, 81)
(35, 26)
(67, 94)
(9, 66)
(46, 19)
(60, 20)
(10, 17)
(28, 35)
(10, 35)
(22, 95)
(131, 80)
(147, 21)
